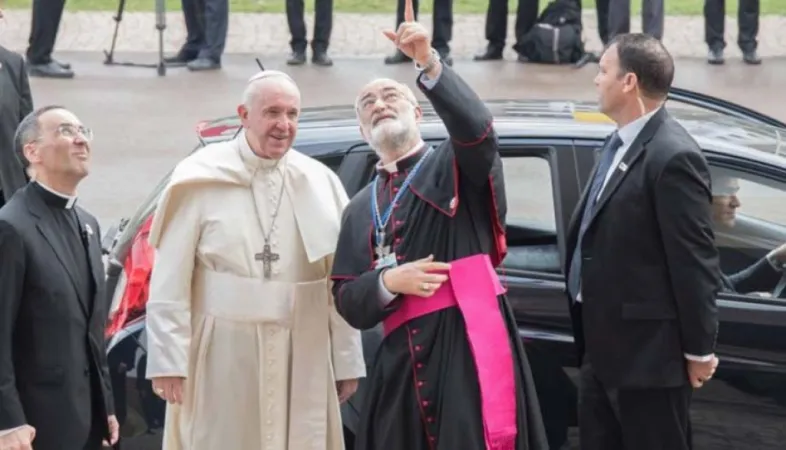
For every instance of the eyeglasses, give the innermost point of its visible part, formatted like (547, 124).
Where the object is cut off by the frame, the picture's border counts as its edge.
(71, 131)
(388, 96)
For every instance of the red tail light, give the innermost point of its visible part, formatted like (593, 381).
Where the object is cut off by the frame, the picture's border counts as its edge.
(137, 267)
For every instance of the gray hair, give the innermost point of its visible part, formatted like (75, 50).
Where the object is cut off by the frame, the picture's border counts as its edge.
(252, 86)
(28, 130)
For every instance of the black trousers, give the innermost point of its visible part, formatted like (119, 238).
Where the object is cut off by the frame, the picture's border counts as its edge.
(747, 19)
(442, 31)
(207, 22)
(43, 30)
(323, 25)
(632, 419)
(614, 18)
(497, 20)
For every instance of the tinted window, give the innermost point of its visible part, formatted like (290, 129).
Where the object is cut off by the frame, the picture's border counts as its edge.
(749, 219)
(531, 219)
(529, 192)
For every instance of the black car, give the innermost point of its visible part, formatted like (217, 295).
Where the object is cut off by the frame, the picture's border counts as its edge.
(548, 150)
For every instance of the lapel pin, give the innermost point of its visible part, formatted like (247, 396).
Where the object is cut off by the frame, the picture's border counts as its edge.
(453, 202)
(88, 230)
(623, 167)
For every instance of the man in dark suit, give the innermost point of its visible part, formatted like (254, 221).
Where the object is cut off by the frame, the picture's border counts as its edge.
(207, 24)
(15, 103)
(43, 34)
(763, 275)
(642, 267)
(54, 382)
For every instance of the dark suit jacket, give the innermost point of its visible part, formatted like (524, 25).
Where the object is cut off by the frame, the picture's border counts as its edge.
(758, 277)
(650, 269)
(15, 103)
(51, 337)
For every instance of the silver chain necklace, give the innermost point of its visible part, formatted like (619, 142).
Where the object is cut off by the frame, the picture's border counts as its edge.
(267, 256)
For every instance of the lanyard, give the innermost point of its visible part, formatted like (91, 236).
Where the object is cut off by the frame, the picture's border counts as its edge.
(381, 220)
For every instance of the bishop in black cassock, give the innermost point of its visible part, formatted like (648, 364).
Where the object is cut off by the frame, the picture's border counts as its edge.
(424, 387)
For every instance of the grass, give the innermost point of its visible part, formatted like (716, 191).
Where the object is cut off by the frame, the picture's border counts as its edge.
(673, 7)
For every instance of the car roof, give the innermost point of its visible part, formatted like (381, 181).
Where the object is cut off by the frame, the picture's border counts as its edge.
(717, 125)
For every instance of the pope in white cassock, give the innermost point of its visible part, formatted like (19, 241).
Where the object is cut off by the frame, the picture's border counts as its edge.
(244, 341)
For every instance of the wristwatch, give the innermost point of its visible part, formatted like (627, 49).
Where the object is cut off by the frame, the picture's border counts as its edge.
(435, 58)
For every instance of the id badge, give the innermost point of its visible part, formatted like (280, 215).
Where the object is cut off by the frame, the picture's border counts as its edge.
(387, 261)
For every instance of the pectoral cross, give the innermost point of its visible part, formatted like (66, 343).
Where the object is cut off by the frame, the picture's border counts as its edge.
(268, 258)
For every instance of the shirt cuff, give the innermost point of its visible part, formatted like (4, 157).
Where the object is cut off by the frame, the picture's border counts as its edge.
(385, 296)
(429, 83)
(696, 358)
(10, 430)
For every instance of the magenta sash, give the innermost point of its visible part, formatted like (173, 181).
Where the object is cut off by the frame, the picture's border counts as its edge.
(473, 287)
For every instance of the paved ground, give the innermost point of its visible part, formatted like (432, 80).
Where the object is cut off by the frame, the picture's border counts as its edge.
(353, 35)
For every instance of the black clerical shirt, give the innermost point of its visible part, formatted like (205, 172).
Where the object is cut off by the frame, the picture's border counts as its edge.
(73, 234)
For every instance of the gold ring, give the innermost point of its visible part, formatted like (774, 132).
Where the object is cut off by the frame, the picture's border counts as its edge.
(425, 287)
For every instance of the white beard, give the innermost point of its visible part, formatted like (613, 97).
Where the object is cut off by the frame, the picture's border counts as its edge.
(393, 134)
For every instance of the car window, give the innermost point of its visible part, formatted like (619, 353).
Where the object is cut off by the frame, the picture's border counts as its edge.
(529, 192)
(749, 221)
(531, 218)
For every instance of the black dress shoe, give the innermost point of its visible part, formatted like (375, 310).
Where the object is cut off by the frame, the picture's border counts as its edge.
(321, 58)
(297, 58)
(180, 58)
(490, 53)
(201, 64)
(64, 65)
(49, 70)
(715, 56)
(751, 57)
(397, 58)
(522, 59)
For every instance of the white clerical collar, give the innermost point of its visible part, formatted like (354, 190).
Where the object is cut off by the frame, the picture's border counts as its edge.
(392, 167)
(629, 132)
(70, 199)
(252, 160)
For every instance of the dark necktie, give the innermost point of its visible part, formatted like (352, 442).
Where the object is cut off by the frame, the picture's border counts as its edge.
(606, 157)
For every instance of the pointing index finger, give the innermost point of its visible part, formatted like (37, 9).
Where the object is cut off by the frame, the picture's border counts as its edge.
(409, 11)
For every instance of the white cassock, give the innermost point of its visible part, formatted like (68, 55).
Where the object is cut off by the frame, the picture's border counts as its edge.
(260, 356)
